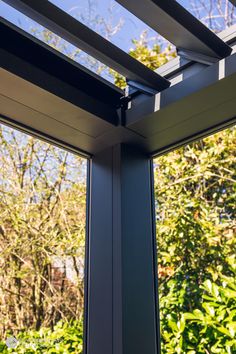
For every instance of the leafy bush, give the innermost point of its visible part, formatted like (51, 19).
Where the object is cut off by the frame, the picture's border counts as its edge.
(196, 199)
(210, 328)
(65, 338)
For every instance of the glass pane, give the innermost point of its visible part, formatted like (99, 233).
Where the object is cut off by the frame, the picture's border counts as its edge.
(195, 190)
(110, 20)
(215, 14)
(42, 245)
(55, 41)
(119, 26)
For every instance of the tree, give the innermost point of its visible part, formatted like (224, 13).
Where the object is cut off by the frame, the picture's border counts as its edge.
(42, 238)
(216, 14)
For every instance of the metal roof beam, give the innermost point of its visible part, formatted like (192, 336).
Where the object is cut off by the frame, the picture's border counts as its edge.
(177, 25)
(21, 54)
(92, 43)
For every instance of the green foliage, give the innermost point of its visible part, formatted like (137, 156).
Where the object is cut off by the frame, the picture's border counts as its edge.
(196, 194)
(65, 338)
(210, 328)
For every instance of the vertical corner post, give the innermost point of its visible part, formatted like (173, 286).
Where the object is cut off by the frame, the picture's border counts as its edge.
(122, 295)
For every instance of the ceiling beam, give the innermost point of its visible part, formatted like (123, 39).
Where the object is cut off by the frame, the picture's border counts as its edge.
(198, 105)
(177, 25)
(32, 60)
(44, 91)
(67, 27)
(233, 2)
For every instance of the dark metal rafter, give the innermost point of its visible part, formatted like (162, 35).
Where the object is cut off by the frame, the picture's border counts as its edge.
(32, 60)
(92, 43)
(176, 24)
(233, 2)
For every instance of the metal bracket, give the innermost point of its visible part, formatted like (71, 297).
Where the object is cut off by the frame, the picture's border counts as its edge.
(124, 105)
(132, 90)
(135, 86)
(197, 57)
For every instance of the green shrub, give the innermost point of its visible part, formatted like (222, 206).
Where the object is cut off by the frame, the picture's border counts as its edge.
(65, 338)
(211, 328)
